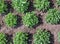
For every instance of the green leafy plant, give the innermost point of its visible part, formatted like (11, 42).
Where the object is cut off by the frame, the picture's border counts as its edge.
(2, 6)
(41, 4)
(41, 37)
(20, 5)
(3, 39)
(20, 38)
(11, 20)
(58, 36)
(53, 16)
(58, 2)
(30, 19)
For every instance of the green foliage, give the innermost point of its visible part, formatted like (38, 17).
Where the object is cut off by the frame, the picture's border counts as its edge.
(20, 38)
(53, 16)
(11, 20)
(58, 36)
(20, 5)
(3, 38)
(58, 2)
(30, 19)
(2, 6)
(41, 37)
(41, 4)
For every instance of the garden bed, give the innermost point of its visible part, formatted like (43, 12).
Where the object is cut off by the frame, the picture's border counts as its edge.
(53, 29)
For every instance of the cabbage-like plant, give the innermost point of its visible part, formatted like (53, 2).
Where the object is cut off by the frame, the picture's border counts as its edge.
(2, 6)
(11, 20)
(30, 19)
(20, 5)
(53, 16)
(41, 4)
(20, 38)
(3, 39)
(41, 37)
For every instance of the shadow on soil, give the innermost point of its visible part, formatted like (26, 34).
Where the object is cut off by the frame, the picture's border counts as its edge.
(51, 4)
(0, 26)
(51, 38)
(18, 21)
(50, 7)
(30, 38)
(9, 38)
(40, 21)
(9, 8)
(30, 7)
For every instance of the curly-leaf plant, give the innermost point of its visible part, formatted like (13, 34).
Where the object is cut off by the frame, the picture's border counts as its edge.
(30, 19)
(41, 4)
(11, 20)
(53, 16)
(20, 38)
(20, 5)
(3, 39)
(41, 37)
(2, 6)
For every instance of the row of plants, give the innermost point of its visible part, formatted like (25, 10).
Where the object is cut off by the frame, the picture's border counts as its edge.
(30, 19)
(22, 5)
(40, 37)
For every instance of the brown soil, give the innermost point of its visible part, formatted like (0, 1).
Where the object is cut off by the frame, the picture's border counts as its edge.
(54, 29)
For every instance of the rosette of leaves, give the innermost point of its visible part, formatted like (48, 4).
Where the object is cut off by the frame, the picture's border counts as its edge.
(58, 36)
(20, 38)
(53, 16)
(41, 4)
(2, 6)
(58, 2)
(30, 19)
(41, 37)
(11, 20)
(20, 5)
(3, 39)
